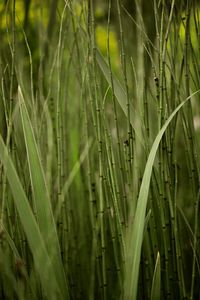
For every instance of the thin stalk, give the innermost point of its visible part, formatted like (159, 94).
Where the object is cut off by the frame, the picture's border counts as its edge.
(119, 152)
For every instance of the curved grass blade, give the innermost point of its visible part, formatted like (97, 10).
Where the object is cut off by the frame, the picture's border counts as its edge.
(42, 261)
(41, 198)
(135, 234)
(120, 95)
(155, 289)
(71, 177)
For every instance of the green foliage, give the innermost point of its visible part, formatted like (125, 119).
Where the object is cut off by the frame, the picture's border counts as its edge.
(155, 290)
(99, 150)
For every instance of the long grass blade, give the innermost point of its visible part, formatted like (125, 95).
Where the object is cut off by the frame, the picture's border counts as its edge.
(41, 197)
(42, 261)
(71, 177)
(120, 95)
(135, 235)
(155, 290)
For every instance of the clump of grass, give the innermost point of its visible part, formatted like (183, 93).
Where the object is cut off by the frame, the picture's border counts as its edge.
(99, 166)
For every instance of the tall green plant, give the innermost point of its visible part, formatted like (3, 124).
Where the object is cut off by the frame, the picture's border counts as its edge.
(99, 166)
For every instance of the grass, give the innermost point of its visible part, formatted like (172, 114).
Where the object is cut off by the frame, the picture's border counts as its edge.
(99, 152)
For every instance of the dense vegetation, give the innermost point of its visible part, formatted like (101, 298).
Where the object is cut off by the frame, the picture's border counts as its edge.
(99, 149)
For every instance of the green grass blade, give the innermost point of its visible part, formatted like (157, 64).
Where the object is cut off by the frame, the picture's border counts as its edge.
(120, 95)
(155, 290)
(41, 197)
(41, 258)
(71, 177)
(135, 235)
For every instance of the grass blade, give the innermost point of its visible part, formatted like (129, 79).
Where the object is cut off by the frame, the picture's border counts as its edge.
(155, 290)
(71, 177)
(41, 197)
(41, 258)
(120, 95)
(135, 235)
